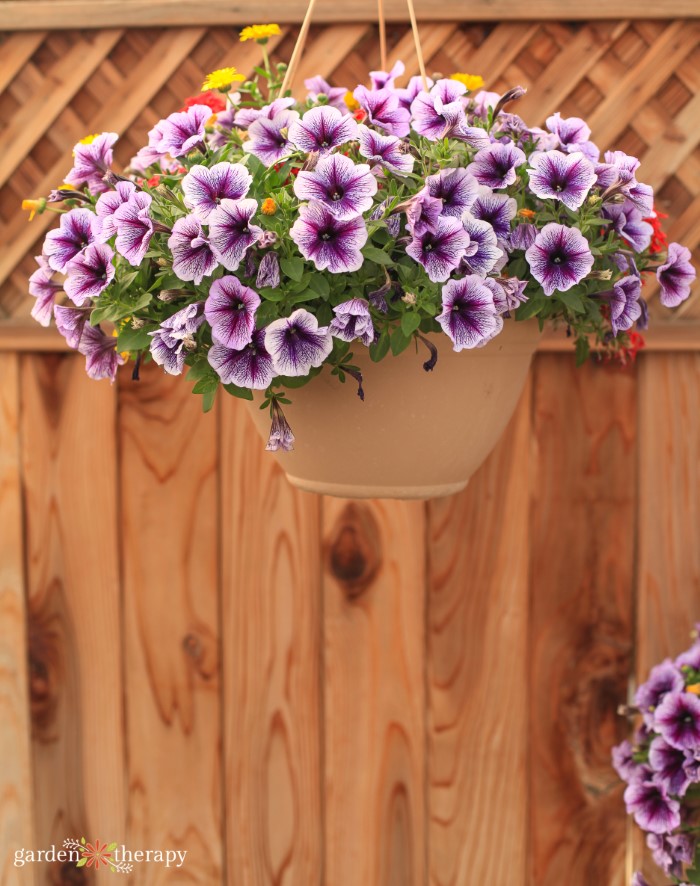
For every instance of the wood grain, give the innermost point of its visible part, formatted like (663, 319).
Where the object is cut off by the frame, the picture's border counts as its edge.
(74, 636)
(271, 633)
(582, 549)
(478, 574)
(169, 514)
(374, 666)
(16, 802)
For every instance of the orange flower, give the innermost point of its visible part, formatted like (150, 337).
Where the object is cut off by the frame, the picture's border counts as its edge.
(96, 855)
(269, 207)
(527, 213)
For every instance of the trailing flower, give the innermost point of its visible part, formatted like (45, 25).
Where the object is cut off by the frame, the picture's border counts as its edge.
(257, 239)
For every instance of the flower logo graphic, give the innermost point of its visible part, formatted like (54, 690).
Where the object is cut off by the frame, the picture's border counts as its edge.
(95, 854)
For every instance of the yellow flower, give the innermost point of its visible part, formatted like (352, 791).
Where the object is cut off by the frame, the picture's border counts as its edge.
(351, 102)
(222, 79)
(89, 139)
(34, 206)
(471, 81)
(259, 32)
(695, 688)
(126, 355)
(269, 207)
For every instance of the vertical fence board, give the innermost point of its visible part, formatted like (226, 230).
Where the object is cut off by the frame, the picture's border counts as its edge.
(271, 629)
(70, 482)
(583, 521)
(478, 549)
(169, 531)
(15, 747)
(374, 586)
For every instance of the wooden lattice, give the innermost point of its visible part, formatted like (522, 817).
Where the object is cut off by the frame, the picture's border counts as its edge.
(636, 82)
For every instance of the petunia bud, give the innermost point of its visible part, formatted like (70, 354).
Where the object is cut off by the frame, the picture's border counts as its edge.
(512, 95)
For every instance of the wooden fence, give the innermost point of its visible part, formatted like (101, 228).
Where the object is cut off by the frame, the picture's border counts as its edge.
(315, 692)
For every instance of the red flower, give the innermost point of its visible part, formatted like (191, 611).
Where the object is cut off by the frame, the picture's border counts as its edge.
(628, 353)
(659, 240)
(154, 181)
(210, 99)
(360, 115)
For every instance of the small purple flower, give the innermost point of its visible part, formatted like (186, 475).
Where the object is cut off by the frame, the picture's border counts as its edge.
(77, 229)
(230, 311)
(495, 166)
(329, 242)
(193, 259)
(91, 162)
(384, 110)
(249, 367)
(623, 761)
(205, 187)
(335, 94)
(408, 93)
(322, 129)
(675, 276)
(569, 130)
(668, 764)
(100, 352)
(690, 658)
(559, 176)
(386, 79)
(484, 100)
(652, 807)
(497, 209)
(663, 678)
(559, 258)
(245, 116)
(522, 237)
(638, 879)
(89, 274)
(469, 316)
(345, 188)
(385, 150)
(281, 436)
(440, 112)
(179, 133)
(230, 232)
(677, 718)
(625, 308)
(457, 189)
(297, 344)
(483, 252)
(268, 140)
(508, 293)
(169, 341)
(422, 212)
(70, 322)
(618, 173)
(627, 221)
(440, 250)
(134, 226)
(353, 320)
(268, 272)
(108, 204)
(44, 289)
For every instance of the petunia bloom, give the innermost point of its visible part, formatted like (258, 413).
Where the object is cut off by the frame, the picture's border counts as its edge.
(268, 140)
(100, 352)
(668, 764)
(422, 212)
(330, 243)
(457, 189)
(559, 258)
(384, 110)
(495, 166)
(653, 809)
(205, 187)
(297, 344)
(248, 367)
(170, 340)
(675, 276)
(438, 113)
(440, 250)
(677, 718)
(193, 259)
(558, 176)
(89, 274)
(573, 134)
(663, 678)
(231, 233)
(628, 222)
(70, 322)
(43, 287)
(91, 160)
(353, 320)
(625, 307)
(483, 252)
(77, 230)
(322, 129)
(181, 132)
(497, 209)
(134, 226)
(335, 95)
(469, 316)
(108, 204)
(230, 311)
(387, 79)
(344, 187)
(385, 150)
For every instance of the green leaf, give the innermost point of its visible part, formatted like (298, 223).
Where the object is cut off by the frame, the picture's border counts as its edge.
(583, 349)
(379, 349)
(133, 339)
(398, 341)
(572, 300)
(82, 840)
(531, 308)
(269, 294)
(111, 847)
(319, 285)
(293, 268)
(410, 321)
(81, 863)
(242, 393)
(378, 256)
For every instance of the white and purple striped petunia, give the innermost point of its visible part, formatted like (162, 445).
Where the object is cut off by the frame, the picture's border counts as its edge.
(204, 187)
(134, 226)
(625, 307)
(91, 162)
(245, 116)
(70, 322)
(193, 259)
(77, 230)
(330, 243)
(483, 253)
(618, 173)
(268, 140)
(628, 222)
(89, 273)
(100, 352)
(497, 209)
(407, 94)
(558, 176)
(440, 250)
(675, 276)
(353, 320)
(384, 110)
(387, 79)
(230, 311)
(559, 258)
(231, 233)
(249, 367)
(297, 344)
(385, 150)
(169, 341)
(457, 189)
(181, 132)
(469, 315)
(335, 95)
(422, 212)
(344, 187)
(495, 166)
(573, 134)
(440, 112)
(43, 287)
(322, 129)
(108, 204)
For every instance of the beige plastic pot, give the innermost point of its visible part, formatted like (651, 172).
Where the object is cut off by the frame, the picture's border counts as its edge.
(418, 434)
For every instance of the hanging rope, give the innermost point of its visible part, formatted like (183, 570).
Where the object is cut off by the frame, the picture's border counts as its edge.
(416, 40)
(298, 48)
(382, 36)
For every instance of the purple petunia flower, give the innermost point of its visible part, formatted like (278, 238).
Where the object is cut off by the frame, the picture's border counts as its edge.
(638, 879)
(384, 110)
(559, 176)
(77, 229)
(522, 236)
(573, 134)
(625, 308)
(497, 209)
(70, 322)
(174, 335)
(230, 232)
(652, 807)
(134, 226)
(44, 289)
(181, 132)
(508, 293)
(329, 242)
(663, 678)
(627, 221)
(457, 189)
(268, 271)
(440, 112)
(495, 166)
(469, 316)
(677, 718)
(668, 764)
(386, 79)
(559, 258)
(408, 93)
(690, 658)
(344, 187)
(353, 320)
(618, 173)
(108, 204)
(440, 250)
(91, 162)
(249, 367)
(245, 116)
(422, 212)
(483, 252)
(100, 352)
(205, 187)
(322, 129)
(268, 140)
(281, 436)
(623, 760)
(297, 344)
(675, 276)
(317, 86)
(89, 274)
(385, 150)
(230, 311)
(193, 259)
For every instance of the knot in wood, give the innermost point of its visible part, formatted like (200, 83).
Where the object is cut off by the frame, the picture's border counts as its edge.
(70, 874)
(353, 554)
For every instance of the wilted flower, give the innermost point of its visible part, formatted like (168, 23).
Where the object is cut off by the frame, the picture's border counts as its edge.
(344, 187)
(297, 344)
(168, 342)
(559, 258)
(353, 320)
(230, 311)
(204, 187)
(625, 307)
(268, 271)
(281, 436)
(329, 242)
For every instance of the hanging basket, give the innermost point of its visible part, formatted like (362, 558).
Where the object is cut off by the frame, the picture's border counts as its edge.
(417, 434)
